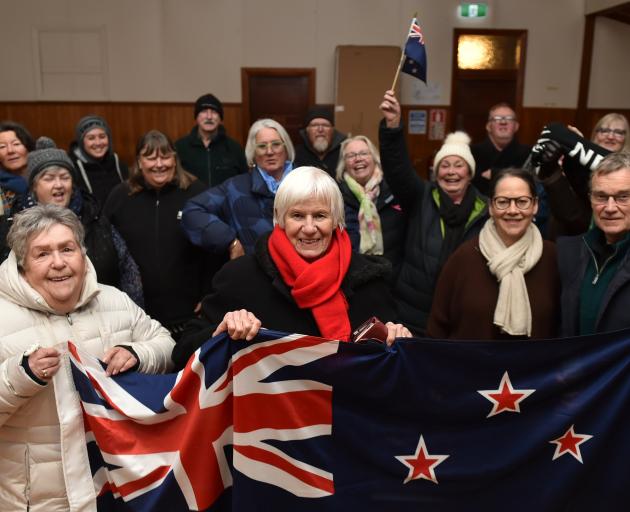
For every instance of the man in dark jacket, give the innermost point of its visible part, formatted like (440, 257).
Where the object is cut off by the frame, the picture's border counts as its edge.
(321, 141)
(594, 267)
(499, 149)
(207, 152)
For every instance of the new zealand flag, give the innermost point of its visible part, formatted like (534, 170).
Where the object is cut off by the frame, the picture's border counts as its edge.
(300, 423)
(415, 63)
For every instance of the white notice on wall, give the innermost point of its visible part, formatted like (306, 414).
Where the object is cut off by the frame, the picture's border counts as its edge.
(417, 122)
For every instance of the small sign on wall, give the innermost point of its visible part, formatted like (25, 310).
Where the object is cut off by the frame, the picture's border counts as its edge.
(417, 122)
(437, 123)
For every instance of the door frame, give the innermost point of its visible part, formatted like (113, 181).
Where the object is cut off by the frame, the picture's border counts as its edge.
(248, 73)
(521, 35)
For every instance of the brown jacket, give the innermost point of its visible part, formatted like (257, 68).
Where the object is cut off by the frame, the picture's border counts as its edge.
(466, 296)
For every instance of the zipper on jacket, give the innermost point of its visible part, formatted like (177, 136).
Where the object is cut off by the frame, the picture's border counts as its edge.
(598, 271)
(27, 470)
(69, 318)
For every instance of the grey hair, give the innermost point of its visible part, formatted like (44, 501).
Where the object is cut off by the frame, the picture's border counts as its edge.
(250, 145)
(39, 218)
(611, 163)
(304, 183)
(341, 164)
(609, 118)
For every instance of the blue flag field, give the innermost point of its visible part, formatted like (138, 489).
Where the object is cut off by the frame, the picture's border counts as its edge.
(295, 422)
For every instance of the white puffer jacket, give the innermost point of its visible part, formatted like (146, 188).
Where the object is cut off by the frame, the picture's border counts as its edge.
(43, 459)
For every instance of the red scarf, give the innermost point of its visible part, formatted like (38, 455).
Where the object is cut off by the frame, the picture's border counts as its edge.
(317, 284)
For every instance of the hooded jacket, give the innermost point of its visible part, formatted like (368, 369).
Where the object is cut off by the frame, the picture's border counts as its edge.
(43, 455)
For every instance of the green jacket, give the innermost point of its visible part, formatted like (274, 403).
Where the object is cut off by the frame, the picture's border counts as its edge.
(222, 159)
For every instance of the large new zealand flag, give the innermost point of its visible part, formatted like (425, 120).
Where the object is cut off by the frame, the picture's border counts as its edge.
(299, 423)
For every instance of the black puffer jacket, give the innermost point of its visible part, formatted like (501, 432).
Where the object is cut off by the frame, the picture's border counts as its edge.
(253, 282)
(421, 261)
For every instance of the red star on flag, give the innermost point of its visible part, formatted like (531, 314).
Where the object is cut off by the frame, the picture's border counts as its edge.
(505, 398)
(570, 442)
(421, 464)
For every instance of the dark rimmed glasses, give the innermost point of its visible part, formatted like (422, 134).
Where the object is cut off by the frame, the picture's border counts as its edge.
(503, 203)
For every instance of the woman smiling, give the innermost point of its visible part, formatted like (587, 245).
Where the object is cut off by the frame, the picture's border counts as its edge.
(48, 295)
(504, 283)
(146, 210)
(303, 276)
(442, 212)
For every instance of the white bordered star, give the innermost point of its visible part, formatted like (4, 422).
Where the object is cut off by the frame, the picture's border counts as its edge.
(570, 442)
(421, 464)
(505, 398)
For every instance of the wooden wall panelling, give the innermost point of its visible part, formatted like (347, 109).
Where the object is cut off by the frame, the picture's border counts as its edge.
(128, 121)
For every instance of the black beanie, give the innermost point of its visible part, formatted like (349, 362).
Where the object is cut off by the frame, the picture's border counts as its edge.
(46, 154)
(208, 101)
(320, 112)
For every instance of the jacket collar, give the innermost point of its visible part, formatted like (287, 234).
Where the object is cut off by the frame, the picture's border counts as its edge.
(14, 288)
(196, 140)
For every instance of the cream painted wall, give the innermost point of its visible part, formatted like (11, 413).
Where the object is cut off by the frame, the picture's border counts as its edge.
(610, 73)
(173, 50)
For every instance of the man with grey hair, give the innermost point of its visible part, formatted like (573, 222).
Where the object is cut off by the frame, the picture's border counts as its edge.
(595, 267)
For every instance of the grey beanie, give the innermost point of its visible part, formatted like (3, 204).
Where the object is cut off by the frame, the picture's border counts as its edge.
(85, 124)
(46, 154)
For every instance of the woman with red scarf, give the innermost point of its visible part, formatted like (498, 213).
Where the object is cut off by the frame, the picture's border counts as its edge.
(303, 277)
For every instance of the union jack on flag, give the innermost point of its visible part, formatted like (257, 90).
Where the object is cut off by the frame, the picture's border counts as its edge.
(296, 422)
(172, 435)
(415, 63)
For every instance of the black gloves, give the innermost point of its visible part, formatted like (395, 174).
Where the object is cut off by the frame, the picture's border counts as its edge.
(548, 158)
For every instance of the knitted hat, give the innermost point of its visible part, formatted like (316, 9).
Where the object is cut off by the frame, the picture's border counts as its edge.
(86, 123)
(319, 112)
(208, 101)
(456, 144)
(46, 154)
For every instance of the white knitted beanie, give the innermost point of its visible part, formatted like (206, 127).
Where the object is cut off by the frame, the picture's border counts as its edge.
(456, 144)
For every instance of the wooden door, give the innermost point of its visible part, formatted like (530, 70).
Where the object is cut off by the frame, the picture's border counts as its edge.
(281, 94)
(488, 68)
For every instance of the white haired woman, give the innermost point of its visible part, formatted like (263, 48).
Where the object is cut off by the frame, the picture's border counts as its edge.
(229, 218)
(374, 218)
(305, 276)
(48, 295)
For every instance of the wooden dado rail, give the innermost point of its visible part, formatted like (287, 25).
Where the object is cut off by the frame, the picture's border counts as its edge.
(130, 120)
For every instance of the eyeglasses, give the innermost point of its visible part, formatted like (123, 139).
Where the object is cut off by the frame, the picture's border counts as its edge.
(503, 203)
(275, 145)
(602, 198)
(498, 119)
(353, 156)
(616, 132)
(317, 126)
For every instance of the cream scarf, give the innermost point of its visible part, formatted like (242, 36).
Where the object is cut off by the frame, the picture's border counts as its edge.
(513, 313)
(369, 219)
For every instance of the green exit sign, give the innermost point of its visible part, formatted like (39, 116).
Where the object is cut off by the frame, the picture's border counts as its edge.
(473, 10)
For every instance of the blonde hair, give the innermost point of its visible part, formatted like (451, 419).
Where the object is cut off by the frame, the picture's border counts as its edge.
(341, 164)
(607, 120)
